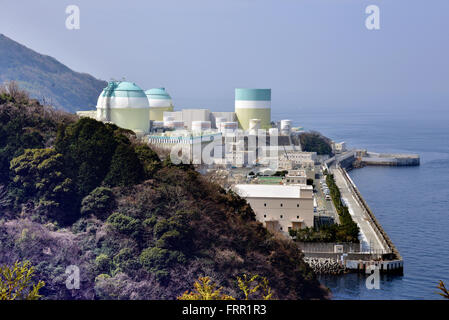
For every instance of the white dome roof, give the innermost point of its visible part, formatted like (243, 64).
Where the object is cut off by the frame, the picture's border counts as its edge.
(121, 95)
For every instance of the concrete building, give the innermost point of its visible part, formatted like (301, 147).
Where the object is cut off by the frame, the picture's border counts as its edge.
(280, 207)
(160, 101)
(223, 117)
(339, 147)
(295, 177)
(125, 104)
(253, 104)
(294, 159)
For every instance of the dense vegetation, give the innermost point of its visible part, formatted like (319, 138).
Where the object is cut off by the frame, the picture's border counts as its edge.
(315, 142)
(85, 193)
(346, 231)
(47, 79)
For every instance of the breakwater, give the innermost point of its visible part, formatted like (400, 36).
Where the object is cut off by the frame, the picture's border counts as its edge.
(386, 159)
(381, 253)
(360, 158)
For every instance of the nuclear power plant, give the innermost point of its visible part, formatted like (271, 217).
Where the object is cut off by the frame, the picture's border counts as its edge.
(152, 115)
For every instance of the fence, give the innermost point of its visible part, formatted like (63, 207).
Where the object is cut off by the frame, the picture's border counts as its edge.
(328, 247)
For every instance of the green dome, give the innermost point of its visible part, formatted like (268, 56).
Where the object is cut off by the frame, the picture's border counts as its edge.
(158, 93)
(122, 89)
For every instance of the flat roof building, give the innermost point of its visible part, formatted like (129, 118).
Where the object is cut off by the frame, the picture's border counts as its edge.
(280, 207)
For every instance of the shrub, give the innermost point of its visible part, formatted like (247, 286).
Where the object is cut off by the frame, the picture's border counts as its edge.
(205, 289)
(103, 264)
(154, 259)
(87, 146)
(38, 174)
(16, 282)
(124, 224)
(125, 169)
(126, 260)
(148, 159)
(100, 202)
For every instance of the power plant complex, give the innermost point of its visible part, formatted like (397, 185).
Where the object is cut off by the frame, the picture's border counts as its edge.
(260, 160)
(152, 116)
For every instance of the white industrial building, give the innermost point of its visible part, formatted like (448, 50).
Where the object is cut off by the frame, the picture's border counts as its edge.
(280, 207)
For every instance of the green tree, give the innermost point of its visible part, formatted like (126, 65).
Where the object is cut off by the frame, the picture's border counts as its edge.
(16, 282)
(125, 224)
(125, 169)
(315, 142)
(103, 263)
(38, 174)
(88, 147)
(100, 202)
(149, 160)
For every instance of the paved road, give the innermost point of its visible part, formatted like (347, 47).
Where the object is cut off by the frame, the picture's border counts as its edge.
(369, 239)
(323, 204)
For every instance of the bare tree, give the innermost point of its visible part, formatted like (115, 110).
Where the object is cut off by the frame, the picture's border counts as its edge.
(12, 88)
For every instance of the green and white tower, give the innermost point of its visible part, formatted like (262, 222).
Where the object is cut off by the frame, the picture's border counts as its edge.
(253, 104)
(125, 104)
(160, 101)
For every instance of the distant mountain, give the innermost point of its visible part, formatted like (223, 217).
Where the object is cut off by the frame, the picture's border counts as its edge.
(46, 78)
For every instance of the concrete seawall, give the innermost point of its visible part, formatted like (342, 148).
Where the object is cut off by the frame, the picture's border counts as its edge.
(387, 159)
(393, 252)
(376, 248)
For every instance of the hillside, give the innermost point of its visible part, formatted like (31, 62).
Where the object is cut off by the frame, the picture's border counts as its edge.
(81, 192)
(46, 78)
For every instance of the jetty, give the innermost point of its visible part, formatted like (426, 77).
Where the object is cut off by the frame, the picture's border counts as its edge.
(376, 249)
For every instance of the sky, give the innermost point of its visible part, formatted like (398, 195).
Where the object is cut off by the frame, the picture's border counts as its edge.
(315, 54)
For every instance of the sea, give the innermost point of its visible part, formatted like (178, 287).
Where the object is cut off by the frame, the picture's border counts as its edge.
(411, 203)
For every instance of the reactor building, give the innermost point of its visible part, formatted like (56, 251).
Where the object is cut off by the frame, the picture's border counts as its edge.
(160, 102)
(125, 104)
(147, 112)
(253, 104)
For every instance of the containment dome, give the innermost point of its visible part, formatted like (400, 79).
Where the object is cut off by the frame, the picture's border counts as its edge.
(125, 104)
(160, 101)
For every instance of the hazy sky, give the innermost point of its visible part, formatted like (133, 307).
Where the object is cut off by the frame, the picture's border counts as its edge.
(314, 54)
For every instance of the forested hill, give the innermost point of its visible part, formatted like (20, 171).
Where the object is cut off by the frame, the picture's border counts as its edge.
(45, 77)
(85, 193)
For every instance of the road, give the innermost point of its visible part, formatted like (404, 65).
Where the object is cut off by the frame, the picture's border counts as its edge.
(369, 239)
(326, 206)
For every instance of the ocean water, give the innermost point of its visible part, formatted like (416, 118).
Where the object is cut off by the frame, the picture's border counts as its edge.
(411, 203)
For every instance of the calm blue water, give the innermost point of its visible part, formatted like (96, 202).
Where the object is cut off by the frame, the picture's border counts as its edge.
(411, 203)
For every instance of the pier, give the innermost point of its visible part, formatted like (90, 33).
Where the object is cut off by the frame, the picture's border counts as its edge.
(359, 158)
